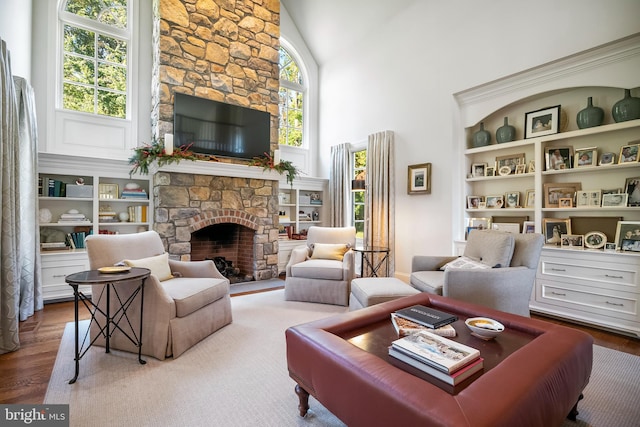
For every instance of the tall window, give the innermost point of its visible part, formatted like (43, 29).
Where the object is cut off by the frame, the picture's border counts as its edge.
(359, 162)
(95, 49)
(291, 102)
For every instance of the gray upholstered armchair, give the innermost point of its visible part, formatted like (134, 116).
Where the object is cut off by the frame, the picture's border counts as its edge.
(184, 302)
(322, 270)
(503, 277)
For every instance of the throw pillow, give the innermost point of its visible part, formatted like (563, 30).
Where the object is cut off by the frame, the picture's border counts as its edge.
(494, 248)
(464, 262)
(159, 265)
(334, 251)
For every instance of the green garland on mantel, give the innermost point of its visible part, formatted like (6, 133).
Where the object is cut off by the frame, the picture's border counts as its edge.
(284, 167)
(144, 156)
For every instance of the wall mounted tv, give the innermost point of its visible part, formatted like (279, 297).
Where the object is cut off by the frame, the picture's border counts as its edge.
(220, 129)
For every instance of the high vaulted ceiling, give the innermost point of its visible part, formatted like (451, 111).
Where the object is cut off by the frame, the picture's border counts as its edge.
(332, 26)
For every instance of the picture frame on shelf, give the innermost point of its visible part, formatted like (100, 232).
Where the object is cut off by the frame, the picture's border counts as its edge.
(494, 202)
(559, 158)
(630, 245)
(572, 241)
(479, 223)
(532, 166)
(510, 160)
(528, 227)
(604, 224)
(610, 247)
(512, 199)
(507, 227)
(530, 199)
(473, 202)
(554, 228)
(632, 188)
(595, 198)
(582, 199)
(545, 121)
(615, 200)
(586, 157)
(629, 153)
(490, 171)
(108, 191)
(478, 169)
(607, 159)
(482, 205)
(565, 202)
(595, 240)
(627, 230)
(521, 169)
(504, 219)
(419, 179)
(553, 192)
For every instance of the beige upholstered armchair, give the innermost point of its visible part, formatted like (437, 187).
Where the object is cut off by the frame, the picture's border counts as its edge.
(184, 302)
(497, 270)
(322, 270)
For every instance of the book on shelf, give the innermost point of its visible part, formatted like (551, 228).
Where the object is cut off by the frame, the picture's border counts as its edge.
(400, 360)
(427, 316)
(406, 327)
(439, 352)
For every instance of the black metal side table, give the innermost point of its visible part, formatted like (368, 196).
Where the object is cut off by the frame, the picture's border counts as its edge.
(369, 254)
(110, 277)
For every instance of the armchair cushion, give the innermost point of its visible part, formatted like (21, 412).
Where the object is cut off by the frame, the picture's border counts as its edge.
(491, 247)
(159, 265)
(464, 262)
(430, 281)
(191, 294)
(326, 269)
(333, 251)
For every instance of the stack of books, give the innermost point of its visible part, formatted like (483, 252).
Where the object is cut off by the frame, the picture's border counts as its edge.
(135, 193)
(427, 316)
(440, 357)
(72, 217)
(107, 215)
(75, 240)
(137, 213)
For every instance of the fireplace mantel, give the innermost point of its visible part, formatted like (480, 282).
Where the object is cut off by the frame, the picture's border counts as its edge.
(200, 167)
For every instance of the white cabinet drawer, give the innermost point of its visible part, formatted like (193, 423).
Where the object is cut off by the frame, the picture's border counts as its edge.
(622, 275)
(621, 305)
(55, 267)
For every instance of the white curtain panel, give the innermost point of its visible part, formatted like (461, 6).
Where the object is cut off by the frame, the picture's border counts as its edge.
(379, 227)
(340, 185)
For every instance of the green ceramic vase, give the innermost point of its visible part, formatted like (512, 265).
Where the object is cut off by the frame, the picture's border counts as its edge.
(628, 108)
(505, 133)
(481, 137)
(590, 116)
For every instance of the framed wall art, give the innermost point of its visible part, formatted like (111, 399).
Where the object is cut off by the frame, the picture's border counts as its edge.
(419, 179)
(553, 192)
(542, 122)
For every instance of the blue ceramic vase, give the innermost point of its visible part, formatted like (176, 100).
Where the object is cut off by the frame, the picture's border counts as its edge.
(628, 108)
(505, 133)
(481, 137)
(590, 116)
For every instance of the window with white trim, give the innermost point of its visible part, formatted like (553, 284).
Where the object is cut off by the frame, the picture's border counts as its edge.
(291, 101)
(358, 165)
(95, 56)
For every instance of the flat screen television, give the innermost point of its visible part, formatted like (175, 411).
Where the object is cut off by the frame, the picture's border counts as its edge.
(220, 129)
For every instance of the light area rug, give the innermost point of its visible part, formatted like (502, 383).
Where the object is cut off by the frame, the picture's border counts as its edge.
(238, 377)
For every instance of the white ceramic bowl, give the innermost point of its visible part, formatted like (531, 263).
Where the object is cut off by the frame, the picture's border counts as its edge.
(483, 327)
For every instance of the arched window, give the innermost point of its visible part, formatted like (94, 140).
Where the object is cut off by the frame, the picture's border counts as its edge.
(95, 52)
(292, 92)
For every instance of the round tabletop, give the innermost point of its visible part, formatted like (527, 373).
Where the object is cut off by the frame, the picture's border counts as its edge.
(95, 277)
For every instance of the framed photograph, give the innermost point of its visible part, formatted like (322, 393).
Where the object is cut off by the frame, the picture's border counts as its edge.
(582, 199)
(553, 228)
(494, 202)
(473, 202)
(630, 245)
(508, 227)
(607, 159)
(586, 157)
(632, 188)
(479, 223)
(628, 153)
(595, 198)
(419, 179)
(504, 219)
(482, 205)
(603, 224)
(595, 240)
(490, 171)
(553, 192)
(478, 169)
(565, 202)
(627, 230)
(559, 158)
(512, 199)
(572, 241)
(615, 200)
(528, 227)
(530, 199)
(520, 169)
(542, 122)
(609, 247)
(511, 160)
(108, 191)
(532, 166)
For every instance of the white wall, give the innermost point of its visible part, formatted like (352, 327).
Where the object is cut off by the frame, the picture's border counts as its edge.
(403, 77)
(15, 30)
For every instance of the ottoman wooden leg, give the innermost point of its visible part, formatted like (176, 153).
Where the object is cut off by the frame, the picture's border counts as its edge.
(303, 396)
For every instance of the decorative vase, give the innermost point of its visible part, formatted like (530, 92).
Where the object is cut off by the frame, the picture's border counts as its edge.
(590, 116)
(124, 217)
(481, 137)
(628, 108)
(505, 133)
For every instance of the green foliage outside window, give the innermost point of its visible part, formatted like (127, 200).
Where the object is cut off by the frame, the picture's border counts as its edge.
(291, 99)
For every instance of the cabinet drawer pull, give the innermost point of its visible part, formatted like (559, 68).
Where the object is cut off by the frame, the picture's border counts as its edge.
(613, 277)
(614, 303)
(59, 275)
(558, 293)
(558, 269)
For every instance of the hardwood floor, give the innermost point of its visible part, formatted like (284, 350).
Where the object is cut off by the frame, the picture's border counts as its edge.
(25, 373)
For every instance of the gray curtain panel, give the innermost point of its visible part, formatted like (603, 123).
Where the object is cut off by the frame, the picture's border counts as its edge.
(340, 185)
(379, 229)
